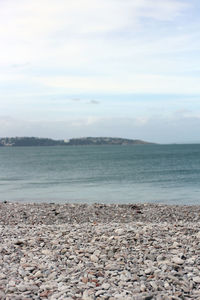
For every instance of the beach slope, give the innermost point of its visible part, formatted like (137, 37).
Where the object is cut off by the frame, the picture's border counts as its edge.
(80, 251)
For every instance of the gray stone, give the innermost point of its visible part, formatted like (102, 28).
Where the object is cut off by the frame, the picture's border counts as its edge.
(100, 292)
(178, 260)
(94, 258)
(105, 286)
(196, 279)
(148, 271)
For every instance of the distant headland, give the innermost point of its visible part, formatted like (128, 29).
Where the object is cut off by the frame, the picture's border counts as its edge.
(35, 141)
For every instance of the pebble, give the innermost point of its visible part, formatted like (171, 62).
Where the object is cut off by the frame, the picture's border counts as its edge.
(105, 286)
(46, 252)
(154, 285)
(94, 258)
(100, 292)
(119, 231)
(86, 296)
(148, 271)
(196, 279)
(177, 260)
(22, 288)
(115, 254)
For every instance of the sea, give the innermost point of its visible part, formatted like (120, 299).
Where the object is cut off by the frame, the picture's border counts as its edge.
(168, 174)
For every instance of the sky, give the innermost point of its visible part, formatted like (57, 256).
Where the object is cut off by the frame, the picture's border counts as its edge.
(117, 68)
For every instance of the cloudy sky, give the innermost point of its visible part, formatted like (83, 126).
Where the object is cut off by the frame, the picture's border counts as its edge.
(127, 68)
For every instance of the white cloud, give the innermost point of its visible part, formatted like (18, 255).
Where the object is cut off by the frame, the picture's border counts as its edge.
(153, 84)
(30, 29)
(38, 18)
(8, 76)
(87, 38)
(163, 10)
(88, 48)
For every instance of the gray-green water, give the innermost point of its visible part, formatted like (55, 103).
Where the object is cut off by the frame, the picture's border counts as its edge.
(110, 174)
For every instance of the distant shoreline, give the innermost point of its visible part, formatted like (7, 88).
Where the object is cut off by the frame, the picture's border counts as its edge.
(85, 141)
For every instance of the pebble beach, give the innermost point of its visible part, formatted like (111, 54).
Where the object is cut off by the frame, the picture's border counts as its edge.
(90, 252)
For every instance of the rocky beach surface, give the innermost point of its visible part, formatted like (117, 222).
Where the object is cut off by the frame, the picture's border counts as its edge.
(87, 252)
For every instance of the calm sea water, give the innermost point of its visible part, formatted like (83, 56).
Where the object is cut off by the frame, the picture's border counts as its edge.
(109, 174)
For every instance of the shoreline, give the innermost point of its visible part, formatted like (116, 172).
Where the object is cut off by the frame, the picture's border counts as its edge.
(54, 213)
(98, 251)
